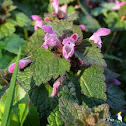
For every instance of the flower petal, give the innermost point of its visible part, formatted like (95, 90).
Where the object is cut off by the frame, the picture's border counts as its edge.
(55, 87)
(21, 65)
(36, 18)
(48, 29)
(55, 5)
(68, 40)
(63, 8)
(102, 32)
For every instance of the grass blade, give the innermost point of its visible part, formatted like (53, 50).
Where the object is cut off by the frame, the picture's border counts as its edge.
(10, 93)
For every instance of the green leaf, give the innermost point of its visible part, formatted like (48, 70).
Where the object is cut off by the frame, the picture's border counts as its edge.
(35, 41)
(108, 5)
(32, 118)
(21, 19)
(99, 10)
(54, 119)
(67, 91)
(88, 52)
(13, 118)
(116, 97)
(90, 23)
(47, 65)
(61, 27)
(5, 60)
(72, 16)
(65, 1)
(22, 112)
(10, 93)
(93, 86)
(114, 22)
(70, 9)
(122, 11)
(84, 6)
(13, 43)
(6, 29)
(24, 77)
(73, 114)
(40, 97)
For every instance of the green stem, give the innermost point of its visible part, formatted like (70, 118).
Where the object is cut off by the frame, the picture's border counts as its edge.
(26, 34)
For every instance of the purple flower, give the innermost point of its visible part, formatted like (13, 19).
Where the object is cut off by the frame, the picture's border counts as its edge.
(118, 5)
(50, 38)
(68, 48)
(116, 82)
(96, 36)
(21, 65)
(55, 5)
(39, 22)
(55, 87)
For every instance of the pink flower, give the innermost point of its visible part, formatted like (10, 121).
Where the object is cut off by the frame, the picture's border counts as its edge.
(68, 48)
(77, 6)
(55, 5)
(63, 8)
(82, 27)
(96, 36)
(21, 65)
(39, 22)
(50, 38)
(55, 87)
(118, 5)
(75, 37)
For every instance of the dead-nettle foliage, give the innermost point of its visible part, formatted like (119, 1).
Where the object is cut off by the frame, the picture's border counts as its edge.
(65, 72)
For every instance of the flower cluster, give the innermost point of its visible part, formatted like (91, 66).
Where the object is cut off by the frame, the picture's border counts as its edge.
(66, 46)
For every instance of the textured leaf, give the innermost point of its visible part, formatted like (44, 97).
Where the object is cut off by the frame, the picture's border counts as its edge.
(24, 77)
(88, 52)
(40, 97)
(6, 29)
(93, 86)
(115, 97)
(35, 41)
(72, 16)
(67, 91)
(54, 119)
(13, 43)
(90, 23)
(47, 65)
(61, 27)
(103, 111)
(73, 114)
(32, 118)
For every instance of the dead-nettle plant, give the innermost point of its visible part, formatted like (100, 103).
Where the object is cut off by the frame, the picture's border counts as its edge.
(64, 73)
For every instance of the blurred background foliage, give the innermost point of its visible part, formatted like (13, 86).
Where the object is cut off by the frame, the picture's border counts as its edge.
(16, 27)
